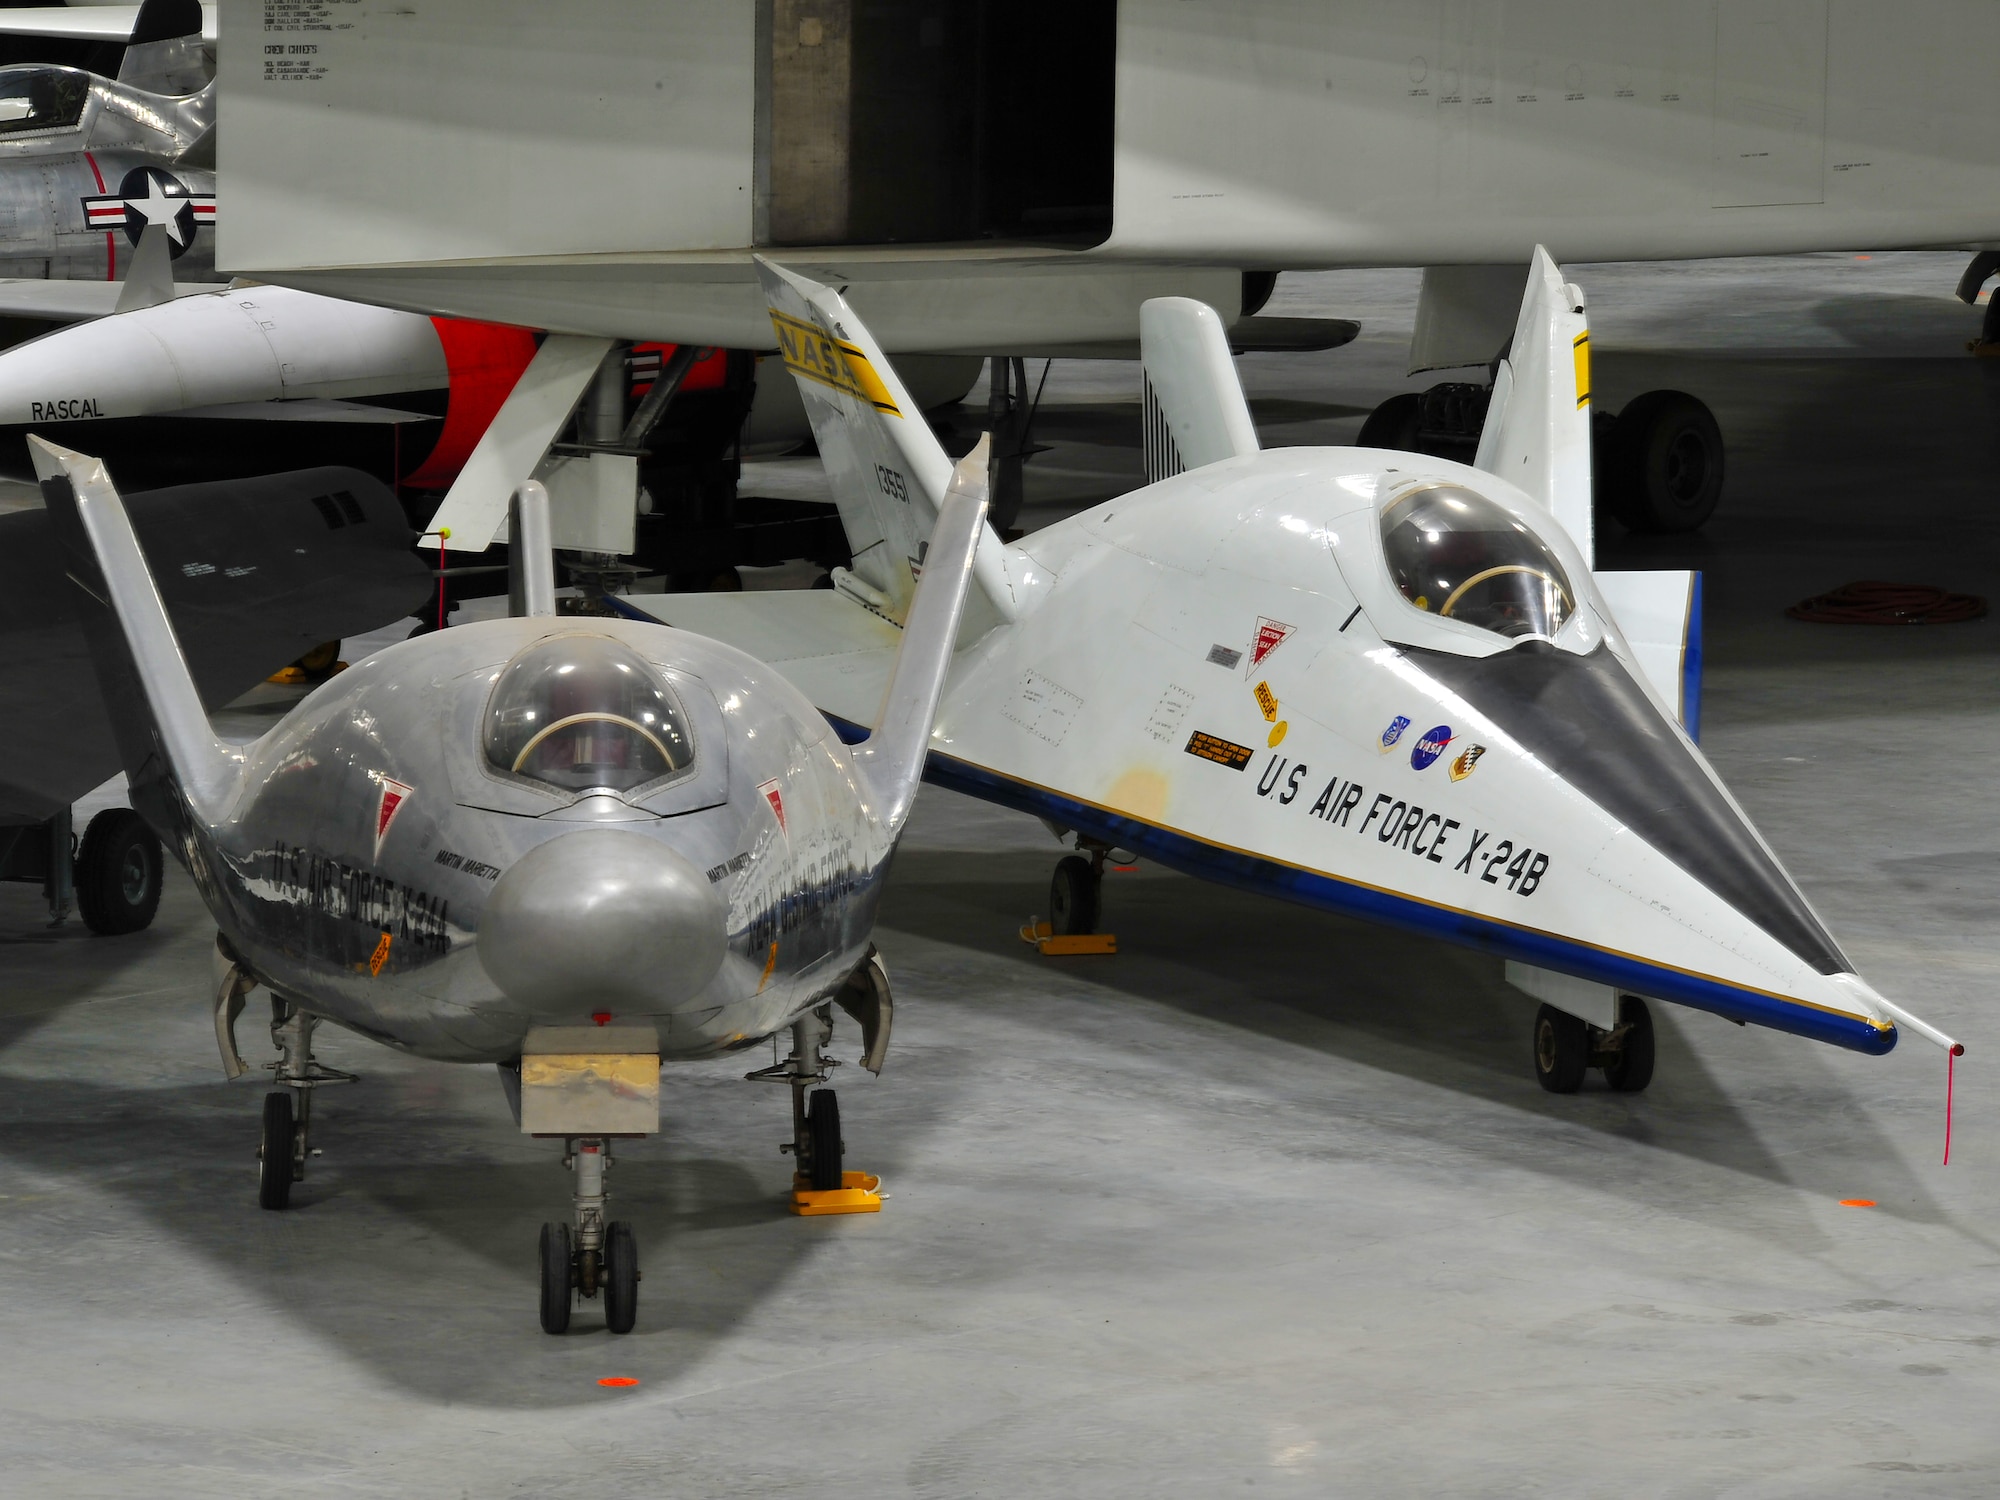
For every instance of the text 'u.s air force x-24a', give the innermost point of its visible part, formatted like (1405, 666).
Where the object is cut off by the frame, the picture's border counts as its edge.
(571, 847)
(1382, 683)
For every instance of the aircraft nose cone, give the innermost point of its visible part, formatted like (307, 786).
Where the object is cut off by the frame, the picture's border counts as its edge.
(1588, 720)
(602, 916)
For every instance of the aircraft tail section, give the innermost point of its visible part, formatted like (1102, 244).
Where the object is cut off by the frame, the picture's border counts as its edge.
(165, 53)
(892, 757)
(164, 736)
(1195, 413)
(888, 472)
(1537, 432)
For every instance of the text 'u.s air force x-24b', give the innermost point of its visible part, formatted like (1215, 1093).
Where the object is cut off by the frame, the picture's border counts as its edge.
(573, 847)
(1381, 683)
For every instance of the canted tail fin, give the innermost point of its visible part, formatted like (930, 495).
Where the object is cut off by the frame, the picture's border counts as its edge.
(163, 732)
(1195, 413)
(1537, 431)
(889, 474)
(892, 757)
(165, 53)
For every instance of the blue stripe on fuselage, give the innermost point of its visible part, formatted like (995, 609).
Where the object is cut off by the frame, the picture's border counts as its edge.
(1244, 871)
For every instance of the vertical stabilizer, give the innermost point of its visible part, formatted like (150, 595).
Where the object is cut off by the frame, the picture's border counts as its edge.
(892, 757)
(888, 473)
(1537, 431)
(1195, 412)
(164, 736)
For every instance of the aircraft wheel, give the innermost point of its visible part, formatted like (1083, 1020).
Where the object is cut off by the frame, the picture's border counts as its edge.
(621, 1278)
(556, 1278)
(1562, 1050)
(1073, 897)
(1664, 467)
(318, 664)
(823, 1131)
(274, 1151)
(1393, 424)
(1634, 1068)
(118, 873)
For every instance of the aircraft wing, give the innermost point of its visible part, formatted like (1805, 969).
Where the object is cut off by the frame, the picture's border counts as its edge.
(835, 651)
(91, 23)
(253, 573)
(73, 301)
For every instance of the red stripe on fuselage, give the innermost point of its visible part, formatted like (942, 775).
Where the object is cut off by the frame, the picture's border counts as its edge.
(110, 243)
(483, 362)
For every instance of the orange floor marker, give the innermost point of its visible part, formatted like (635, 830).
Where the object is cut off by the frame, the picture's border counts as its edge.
(1857, 1202)
(620, 1380)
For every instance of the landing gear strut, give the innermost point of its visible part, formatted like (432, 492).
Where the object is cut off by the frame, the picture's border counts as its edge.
(816, 1144)
(597, 1256)
(1566, 1047)
(285, 1143)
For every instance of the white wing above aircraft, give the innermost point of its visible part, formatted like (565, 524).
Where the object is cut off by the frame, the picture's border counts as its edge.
(1380, 683)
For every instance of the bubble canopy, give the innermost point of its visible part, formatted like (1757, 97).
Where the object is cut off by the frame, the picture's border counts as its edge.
(1456, 554)
(585, 713)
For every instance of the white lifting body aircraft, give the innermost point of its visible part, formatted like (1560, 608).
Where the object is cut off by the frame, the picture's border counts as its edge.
(570, 847)
(1380, 683)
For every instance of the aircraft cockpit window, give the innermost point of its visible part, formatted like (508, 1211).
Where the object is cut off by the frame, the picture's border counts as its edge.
(585, 713)
(1456, 554)
(41, 98)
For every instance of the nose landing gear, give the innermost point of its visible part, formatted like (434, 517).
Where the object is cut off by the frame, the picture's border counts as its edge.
(1566, 1047)
(598, 1256)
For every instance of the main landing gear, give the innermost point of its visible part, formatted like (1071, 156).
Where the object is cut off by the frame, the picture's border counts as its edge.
(1566, 1047)
(816, 1143)
(286, 1141)
(597, 1256)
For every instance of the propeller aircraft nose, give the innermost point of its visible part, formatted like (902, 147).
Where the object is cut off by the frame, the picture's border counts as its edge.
(602, 916)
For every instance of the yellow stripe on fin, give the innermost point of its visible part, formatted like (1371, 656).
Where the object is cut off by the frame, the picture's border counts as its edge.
(1582, 350)
(810, 353)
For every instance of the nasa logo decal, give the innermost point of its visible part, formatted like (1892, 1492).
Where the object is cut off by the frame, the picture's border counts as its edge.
(1393, 733)
(1430, 747)
(1468, 758)
(148, 195)
(394, 795)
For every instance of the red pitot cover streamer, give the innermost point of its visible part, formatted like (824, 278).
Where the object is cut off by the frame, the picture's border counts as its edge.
(1950, 1059)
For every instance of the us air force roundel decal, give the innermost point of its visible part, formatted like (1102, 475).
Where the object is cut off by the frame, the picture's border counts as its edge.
(151, 196)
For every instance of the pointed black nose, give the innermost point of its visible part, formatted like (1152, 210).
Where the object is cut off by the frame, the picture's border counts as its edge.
(1587, 720)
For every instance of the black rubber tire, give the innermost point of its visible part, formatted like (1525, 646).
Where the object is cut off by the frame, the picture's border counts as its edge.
(823, 1133)
(318, 663)
(621, 1278)
(118, 873)
(555, 1267)
(1393, 424)
(274, 1151)
(1634, 1068)
(1665, 467)
(1562, 1050)
(1073, 897)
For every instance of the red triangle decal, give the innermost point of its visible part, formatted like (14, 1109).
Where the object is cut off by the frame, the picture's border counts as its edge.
(1270, 636)
(394, 795)
(774, 794)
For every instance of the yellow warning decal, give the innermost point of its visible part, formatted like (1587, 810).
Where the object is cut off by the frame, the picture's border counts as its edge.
(1582, 350)
(808, 351)
(1267, 701)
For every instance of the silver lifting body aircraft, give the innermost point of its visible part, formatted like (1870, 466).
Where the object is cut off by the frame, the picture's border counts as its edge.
(572, 847)
(1385, 684)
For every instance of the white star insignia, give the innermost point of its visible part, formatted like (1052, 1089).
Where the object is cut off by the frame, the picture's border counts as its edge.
(158, 208)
